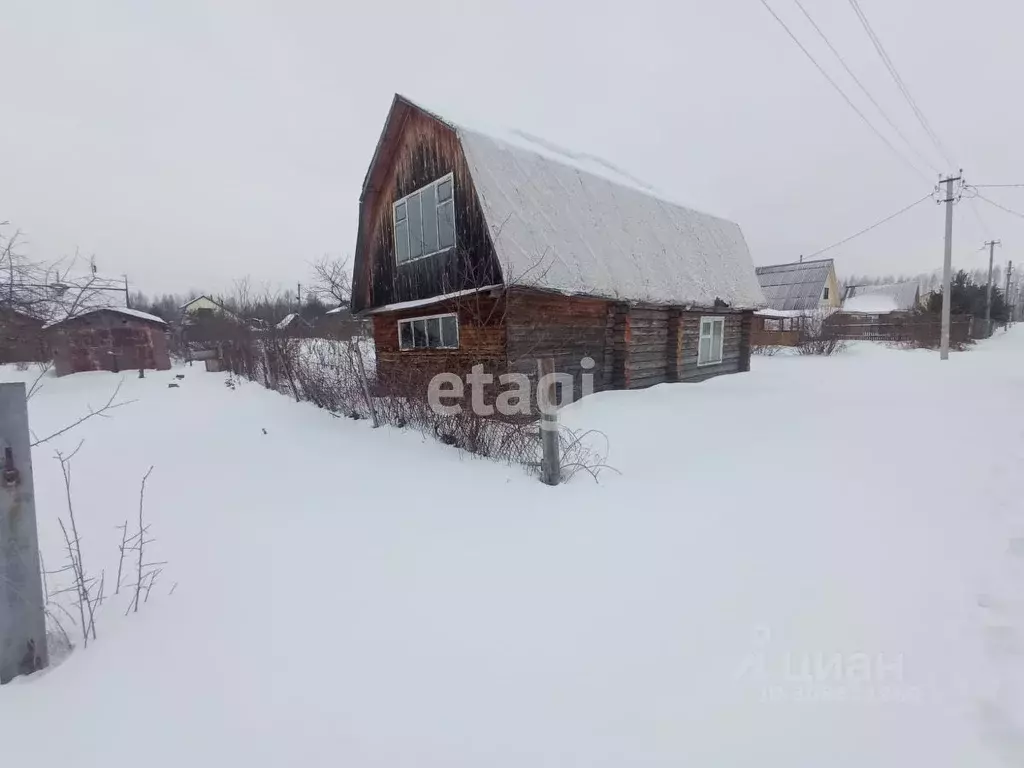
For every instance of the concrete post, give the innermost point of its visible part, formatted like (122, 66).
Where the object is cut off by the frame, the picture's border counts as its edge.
(551, 465)
(22, 605)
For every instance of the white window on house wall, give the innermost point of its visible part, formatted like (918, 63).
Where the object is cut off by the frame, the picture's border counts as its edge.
(425, 221)
(433, 332)
(712, 336)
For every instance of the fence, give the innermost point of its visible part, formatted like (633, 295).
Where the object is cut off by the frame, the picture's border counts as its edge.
(775, 331)
(921, 330)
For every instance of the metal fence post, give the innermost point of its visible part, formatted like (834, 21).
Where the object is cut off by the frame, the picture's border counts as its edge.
(22, 607)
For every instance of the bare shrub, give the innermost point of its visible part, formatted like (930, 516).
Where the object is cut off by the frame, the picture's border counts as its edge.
(818, 338)
(578, 453)
(88, 590)
(765, 350)
(146, 572)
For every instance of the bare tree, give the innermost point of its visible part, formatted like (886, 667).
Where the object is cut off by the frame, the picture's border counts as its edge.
(332, 280)
(102, 411)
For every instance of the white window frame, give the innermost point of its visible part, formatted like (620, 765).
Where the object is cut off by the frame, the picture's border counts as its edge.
(437, 224)
(444, 345)
(711, 337)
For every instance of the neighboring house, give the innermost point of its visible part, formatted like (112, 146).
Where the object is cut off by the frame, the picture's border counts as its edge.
(205, 321)
(474, 248)
(805, 286)
(110, 339)
(340, 323)
(21, 337)
(204, 305)
(882, 299)
(294, 323)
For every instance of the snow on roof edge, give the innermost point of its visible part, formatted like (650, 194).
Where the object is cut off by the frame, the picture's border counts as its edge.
(119, 310)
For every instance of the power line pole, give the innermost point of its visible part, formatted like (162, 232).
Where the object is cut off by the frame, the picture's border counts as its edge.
(1006, 293)
(947, 265)
(988, 291)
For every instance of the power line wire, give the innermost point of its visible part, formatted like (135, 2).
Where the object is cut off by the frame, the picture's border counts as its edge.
(984, 186)
(863, 88)
(843, 94)
(873, 226)
(977, 214)
(997, 205)
(899, 81)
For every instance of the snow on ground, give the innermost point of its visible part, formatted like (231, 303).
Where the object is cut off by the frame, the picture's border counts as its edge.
(802, 566)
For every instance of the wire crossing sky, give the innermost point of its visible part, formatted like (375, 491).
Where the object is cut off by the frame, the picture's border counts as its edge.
(190, 144)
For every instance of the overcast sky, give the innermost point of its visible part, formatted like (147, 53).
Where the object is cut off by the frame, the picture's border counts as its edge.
(190, 143)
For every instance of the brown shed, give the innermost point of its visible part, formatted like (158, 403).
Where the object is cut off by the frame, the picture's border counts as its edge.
(111, 339)
(21, 337)
(500, 249)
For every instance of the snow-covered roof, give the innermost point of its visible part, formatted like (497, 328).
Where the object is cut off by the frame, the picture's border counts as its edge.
(412, 304)
(286, 321)
(781, 312)
(797, 285)
(871, 303)
(119, 310)
(896, 296)
(575, 224)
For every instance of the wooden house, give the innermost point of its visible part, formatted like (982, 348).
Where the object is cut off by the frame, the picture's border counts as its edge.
(500, 249)
(204, 305)
(804, 286)
(110, 339)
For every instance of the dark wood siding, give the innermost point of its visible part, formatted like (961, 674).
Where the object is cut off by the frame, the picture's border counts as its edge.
(418, 150)
(647, 359)
(735, 345)
(565, 328)
(653, 345)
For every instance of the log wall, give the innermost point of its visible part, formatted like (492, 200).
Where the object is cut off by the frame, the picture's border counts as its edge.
(565, 328)
(481, 339)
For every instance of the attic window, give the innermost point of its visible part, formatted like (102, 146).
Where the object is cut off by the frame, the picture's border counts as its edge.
(824, 294)
(425, 221)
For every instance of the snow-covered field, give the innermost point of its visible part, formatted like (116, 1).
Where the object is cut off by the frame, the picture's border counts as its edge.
(820, 563)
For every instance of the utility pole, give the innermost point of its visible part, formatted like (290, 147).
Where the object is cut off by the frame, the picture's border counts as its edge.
(988, 291)
(1006, 294)
(947, 265)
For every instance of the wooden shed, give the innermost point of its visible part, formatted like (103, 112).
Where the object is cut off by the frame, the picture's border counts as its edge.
(110, 339)
(21, 337)
(500, 249)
